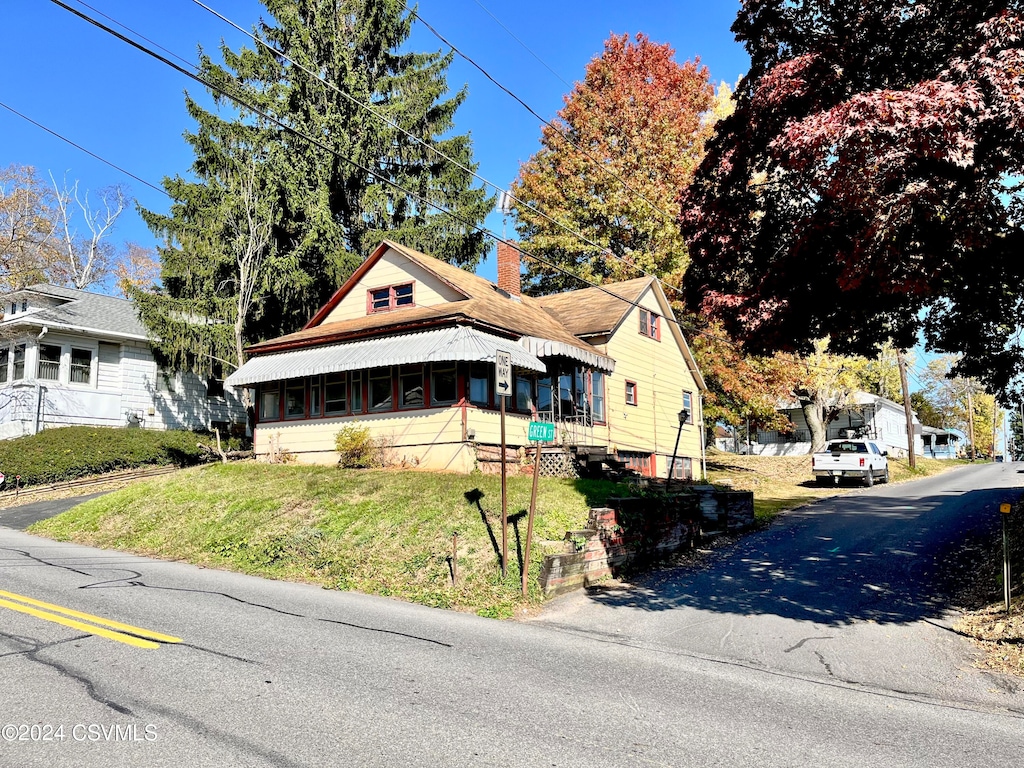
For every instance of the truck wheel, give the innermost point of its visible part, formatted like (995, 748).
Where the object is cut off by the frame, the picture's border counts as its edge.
(869, 478)
(885, 477)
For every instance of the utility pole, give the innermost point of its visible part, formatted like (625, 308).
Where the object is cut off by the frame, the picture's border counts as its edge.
(970, 421)
(901, 361)
(995, 412)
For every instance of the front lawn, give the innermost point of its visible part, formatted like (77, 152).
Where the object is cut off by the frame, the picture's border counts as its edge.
(377, 531)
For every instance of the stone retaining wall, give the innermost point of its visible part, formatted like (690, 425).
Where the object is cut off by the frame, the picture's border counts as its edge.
(640, 531)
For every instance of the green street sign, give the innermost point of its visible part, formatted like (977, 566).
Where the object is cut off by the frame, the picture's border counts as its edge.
(541, 431)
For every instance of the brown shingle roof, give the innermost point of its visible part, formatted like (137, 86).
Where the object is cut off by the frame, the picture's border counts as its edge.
(594, 311)
(487, 305)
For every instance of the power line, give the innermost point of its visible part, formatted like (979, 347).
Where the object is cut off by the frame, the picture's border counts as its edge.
(559, 131)
(319, 144)
(524, 45)
(602, 250)
(83, 149)
(693, 330)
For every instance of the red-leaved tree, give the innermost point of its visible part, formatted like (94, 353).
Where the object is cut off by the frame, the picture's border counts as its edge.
(868, 184)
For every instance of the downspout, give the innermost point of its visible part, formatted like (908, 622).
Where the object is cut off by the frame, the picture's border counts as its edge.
(703, 454)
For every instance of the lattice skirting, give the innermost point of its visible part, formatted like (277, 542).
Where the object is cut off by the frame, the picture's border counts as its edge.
(558, 464)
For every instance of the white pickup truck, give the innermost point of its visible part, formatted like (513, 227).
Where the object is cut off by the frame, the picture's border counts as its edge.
(843, 459)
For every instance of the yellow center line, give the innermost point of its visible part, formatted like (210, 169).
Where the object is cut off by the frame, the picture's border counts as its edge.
(50, 614)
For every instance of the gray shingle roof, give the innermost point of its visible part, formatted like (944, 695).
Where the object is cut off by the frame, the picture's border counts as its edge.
(83, 309)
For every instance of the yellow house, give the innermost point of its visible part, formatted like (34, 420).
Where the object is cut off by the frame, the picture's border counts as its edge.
(407, 347)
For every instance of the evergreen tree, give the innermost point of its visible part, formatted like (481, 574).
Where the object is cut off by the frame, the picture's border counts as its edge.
(323, 210)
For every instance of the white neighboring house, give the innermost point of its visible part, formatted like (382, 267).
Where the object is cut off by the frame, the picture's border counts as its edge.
(870, 416)
(75, 357)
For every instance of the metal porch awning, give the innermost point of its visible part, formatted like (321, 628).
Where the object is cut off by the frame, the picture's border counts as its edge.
(456, 344)
(548, 348)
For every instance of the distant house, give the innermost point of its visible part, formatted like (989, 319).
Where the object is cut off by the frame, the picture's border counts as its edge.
(407, 348)
(868, 415)
(941, 443)
(75, 357)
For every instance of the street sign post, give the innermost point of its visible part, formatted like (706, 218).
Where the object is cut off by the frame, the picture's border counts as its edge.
(1005, 509)
(539, 432)
(503, 388)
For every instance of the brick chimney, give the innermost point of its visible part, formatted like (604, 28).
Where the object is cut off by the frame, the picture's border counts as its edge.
(508, 268)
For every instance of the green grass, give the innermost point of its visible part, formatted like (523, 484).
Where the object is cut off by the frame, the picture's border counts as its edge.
(376, 531)
(58, 455)
(384, 532)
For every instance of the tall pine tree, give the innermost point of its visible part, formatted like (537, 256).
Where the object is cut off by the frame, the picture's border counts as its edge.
(273, 222)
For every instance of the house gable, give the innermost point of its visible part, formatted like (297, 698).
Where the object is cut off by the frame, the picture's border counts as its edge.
(653, 299)
(386, 266)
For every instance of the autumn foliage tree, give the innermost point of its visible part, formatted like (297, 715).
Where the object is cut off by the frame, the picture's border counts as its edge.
(56, 232)
(868, 185)
(612, 167)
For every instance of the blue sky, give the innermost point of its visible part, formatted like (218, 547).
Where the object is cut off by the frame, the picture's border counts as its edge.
(128, 108)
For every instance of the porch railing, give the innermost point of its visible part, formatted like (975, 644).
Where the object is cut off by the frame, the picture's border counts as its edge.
(804, 435)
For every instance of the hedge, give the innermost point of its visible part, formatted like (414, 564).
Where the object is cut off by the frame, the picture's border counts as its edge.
(66, 453)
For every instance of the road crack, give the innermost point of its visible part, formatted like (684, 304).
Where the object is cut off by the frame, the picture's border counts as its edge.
(88, 685)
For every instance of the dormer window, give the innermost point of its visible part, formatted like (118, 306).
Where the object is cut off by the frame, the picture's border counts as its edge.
(389, 297)
(650, 324)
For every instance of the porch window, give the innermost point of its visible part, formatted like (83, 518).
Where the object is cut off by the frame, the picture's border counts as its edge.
(19, 362)
(380, 389)
(49, 362)
(524, 394)
(650, 324)
(410, 386)
(270, 402)
(565, 395)
(479, 390)
(295, 399)
(81, 366)
(389, 297)
(316, 391)
(597, 395)
(444, 385)
(335, 394)
(5, 358)
(356, 389)
(544, 397)
(630, 393)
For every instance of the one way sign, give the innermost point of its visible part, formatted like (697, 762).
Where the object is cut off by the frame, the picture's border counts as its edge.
(503, 373)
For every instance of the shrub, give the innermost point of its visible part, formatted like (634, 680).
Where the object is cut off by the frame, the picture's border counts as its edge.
(357, 448)
(67, 453)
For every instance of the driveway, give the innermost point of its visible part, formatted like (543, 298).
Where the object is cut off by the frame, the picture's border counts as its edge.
(855, 589)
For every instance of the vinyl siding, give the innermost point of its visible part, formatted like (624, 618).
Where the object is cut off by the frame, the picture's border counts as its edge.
(661, 375)
(109, 366)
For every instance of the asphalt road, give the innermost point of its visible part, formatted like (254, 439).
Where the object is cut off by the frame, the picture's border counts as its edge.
(768, 657)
